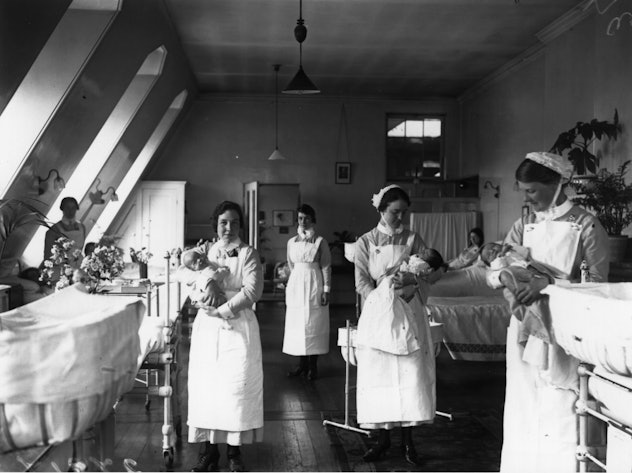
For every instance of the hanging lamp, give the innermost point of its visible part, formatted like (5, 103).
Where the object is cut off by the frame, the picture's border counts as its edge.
(301, 84)
(276, 154)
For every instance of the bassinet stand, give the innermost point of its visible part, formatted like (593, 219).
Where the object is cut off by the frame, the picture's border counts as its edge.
(348, 388)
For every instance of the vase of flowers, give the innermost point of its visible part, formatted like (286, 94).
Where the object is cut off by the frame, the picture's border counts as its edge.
(103, 264)
(58, 269)
(141, 257)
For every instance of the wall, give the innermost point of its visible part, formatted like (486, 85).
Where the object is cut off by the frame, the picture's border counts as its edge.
(224, 142)
(583, 73)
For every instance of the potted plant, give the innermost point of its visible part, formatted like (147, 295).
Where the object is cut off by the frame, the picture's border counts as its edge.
(577, 141)
(15, 214)
(610, 198)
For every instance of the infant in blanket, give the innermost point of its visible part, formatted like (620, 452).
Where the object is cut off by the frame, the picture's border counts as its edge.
(512, 268)
(207, 271)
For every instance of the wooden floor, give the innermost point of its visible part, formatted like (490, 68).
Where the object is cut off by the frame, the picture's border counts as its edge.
(294, 436)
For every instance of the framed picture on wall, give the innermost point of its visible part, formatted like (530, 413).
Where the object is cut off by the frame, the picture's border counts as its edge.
(343, 173)
(283, 218)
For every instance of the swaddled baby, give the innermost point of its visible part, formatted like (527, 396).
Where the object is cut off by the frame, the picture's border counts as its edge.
(207, 271)
(423, 263)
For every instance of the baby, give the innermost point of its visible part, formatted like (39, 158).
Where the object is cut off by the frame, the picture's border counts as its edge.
(513, 268)
(424, 263)
(207, 271)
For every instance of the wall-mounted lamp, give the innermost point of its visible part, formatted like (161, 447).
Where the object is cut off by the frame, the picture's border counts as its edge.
(96, 197)
(489, 185)
(58, 183)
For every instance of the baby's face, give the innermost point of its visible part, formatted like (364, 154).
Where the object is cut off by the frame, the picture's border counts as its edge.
(490, 252)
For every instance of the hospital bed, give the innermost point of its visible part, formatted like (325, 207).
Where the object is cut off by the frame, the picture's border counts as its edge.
(67, 360)
(593, 322)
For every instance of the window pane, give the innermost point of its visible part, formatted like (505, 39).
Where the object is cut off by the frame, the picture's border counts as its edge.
(414, 147)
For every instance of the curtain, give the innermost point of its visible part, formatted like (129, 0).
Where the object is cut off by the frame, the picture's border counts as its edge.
(446, 232)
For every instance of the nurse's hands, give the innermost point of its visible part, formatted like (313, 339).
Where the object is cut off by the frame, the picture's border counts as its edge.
(324, 298)
(401, 279)
(214, 296)
(528, 293)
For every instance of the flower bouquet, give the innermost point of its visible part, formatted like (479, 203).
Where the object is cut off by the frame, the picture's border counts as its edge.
(105, 263)
(58, 269)
(141, 257)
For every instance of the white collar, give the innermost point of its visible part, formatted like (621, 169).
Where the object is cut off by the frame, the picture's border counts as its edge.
(230, 245)
(554, 212)
(306, 234)
(388, 230)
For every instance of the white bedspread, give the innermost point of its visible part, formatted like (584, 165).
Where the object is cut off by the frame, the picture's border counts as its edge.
(474, 327)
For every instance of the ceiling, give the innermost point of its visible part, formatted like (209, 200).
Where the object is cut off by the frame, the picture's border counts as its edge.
(370, 48)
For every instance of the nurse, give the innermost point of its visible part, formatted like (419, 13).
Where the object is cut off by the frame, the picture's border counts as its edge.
(540, 432)
(307, 295)
(225, 366)
(393, 390)
(68, 227)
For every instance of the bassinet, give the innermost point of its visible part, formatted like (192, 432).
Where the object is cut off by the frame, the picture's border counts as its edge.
(593, 322)
(66, 359)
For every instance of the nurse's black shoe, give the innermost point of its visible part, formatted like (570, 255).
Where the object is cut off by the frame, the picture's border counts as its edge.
(234, 459)
(312, 372)
(208, 459)
(378, 451)
(410, 455)
(301, 369)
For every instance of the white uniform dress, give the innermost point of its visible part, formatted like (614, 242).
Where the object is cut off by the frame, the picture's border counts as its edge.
(392, 390)
(306, 320)
(540, 425)
(225, 366)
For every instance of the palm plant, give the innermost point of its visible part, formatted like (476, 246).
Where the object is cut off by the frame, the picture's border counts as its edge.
(578, 139)
(14, 214)
(610, 197)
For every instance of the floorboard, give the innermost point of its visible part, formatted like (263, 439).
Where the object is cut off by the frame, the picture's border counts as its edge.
(294, 436)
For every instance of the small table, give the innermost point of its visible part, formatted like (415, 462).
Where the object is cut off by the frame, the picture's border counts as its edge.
(136, 288)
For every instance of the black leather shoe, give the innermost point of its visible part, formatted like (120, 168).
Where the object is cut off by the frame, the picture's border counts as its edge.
(410, 455)
(207, 462)
(375, 453)
(235, 464)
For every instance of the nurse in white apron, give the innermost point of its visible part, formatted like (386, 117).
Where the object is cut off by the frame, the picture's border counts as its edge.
(225, 362)
(307, 296)
(67, 227)
(540, 432)
(393, 390)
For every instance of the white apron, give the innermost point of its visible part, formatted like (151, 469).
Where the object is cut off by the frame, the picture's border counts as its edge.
(395, 390)
(306, 320)
(540, 426)
(225, 368)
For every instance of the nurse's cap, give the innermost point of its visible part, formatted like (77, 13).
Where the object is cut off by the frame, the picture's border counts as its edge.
(555, 162)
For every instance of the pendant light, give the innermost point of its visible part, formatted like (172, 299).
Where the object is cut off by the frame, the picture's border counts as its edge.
(301, 84)
(276, 154)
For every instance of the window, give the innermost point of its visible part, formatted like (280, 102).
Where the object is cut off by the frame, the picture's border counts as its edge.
(414, 147)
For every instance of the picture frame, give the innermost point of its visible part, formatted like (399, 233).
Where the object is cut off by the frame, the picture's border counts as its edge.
(343, 172)
(282, 218)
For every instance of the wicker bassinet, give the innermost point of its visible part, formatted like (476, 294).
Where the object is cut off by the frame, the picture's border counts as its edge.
(593, 322)
(66, 359)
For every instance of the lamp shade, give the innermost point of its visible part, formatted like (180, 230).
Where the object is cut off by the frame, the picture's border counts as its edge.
(276, 155)
(301, 84)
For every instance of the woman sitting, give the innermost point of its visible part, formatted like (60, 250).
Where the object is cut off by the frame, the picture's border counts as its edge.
(470, 254)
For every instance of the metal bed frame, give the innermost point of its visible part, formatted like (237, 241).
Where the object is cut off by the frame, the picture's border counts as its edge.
(585, 407)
